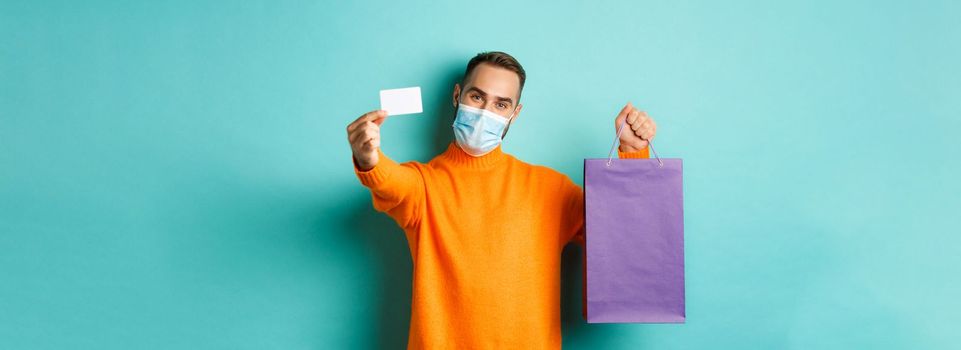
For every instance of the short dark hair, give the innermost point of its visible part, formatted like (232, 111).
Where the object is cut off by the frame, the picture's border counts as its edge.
(497, 59)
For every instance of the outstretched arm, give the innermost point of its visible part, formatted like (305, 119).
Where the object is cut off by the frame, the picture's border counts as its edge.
(396, 189)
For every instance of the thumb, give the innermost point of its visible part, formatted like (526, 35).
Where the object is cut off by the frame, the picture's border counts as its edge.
(381, 117)
(622, 114)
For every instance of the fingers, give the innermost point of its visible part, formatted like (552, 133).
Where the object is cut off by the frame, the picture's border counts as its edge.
(371, 145)
(646, 130)
(378, 114)
(364, 133)
(642, 125)
(632, 118)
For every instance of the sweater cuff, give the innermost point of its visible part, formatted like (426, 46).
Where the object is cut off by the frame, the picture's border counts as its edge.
(642, 153)
(376, 175)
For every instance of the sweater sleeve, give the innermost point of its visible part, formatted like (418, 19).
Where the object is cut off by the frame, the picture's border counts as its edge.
(575, 198)
(573, 216)
(396, 189)
(642, 153)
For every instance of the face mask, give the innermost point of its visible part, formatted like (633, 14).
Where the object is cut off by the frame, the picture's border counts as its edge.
(478, 131)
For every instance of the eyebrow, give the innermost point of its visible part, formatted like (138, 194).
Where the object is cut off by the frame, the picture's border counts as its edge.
(501, 99)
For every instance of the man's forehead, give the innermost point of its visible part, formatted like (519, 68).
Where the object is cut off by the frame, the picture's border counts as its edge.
(495, 81)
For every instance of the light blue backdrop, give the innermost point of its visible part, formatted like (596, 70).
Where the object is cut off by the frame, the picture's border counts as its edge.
(175, 174)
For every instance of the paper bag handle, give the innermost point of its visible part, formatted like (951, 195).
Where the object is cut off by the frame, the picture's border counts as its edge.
(610, 155)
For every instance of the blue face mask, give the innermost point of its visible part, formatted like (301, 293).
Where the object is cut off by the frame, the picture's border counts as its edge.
(478, 131)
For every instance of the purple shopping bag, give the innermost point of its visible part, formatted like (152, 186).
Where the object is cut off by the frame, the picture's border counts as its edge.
(635, 240)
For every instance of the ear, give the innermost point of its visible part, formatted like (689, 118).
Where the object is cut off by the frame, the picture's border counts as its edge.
(517, 113)
(453, 97)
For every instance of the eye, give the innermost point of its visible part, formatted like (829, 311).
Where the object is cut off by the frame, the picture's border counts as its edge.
(502, 105)
(475, 98)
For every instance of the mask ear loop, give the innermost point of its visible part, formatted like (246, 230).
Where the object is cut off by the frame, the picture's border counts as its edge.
(508, 127)
(620, 129)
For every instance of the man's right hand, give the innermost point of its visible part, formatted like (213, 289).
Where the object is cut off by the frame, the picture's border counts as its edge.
(364, 137)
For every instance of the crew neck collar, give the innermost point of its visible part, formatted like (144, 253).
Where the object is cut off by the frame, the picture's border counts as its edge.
(456, 155)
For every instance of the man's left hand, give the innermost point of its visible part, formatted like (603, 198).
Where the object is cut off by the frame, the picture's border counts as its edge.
(639, 130)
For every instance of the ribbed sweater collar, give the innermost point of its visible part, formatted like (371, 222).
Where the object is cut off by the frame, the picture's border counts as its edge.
(455, 155)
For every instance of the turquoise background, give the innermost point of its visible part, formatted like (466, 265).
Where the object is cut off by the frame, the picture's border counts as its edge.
(176, 174)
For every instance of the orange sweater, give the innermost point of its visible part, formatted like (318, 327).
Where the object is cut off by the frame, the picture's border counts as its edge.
(486, 235)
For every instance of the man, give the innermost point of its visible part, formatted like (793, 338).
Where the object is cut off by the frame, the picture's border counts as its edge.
(485, 230)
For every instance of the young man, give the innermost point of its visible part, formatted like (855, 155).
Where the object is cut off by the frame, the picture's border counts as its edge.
(485, 230)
